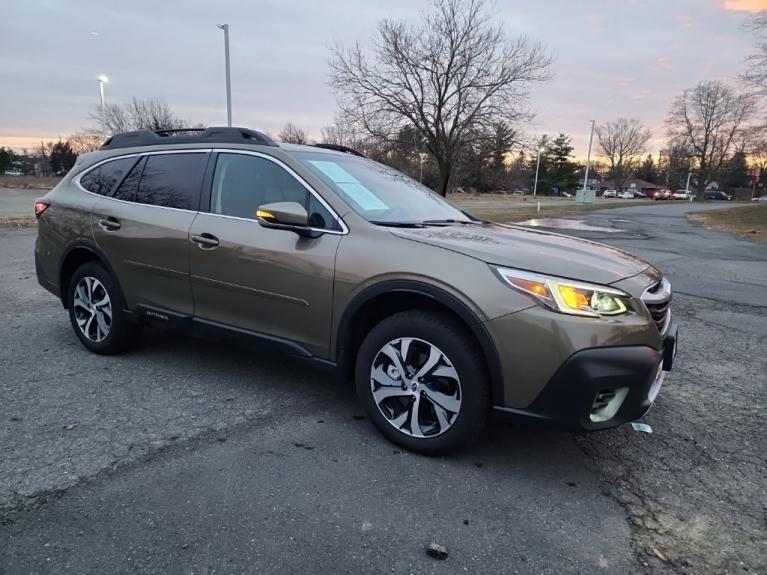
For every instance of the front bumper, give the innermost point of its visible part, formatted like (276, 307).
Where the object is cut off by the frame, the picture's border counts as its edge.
(603, 387)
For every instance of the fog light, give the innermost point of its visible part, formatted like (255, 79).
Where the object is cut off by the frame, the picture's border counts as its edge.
(607, 403)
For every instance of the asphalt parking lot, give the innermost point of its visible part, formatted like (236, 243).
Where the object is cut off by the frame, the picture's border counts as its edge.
(196, 456)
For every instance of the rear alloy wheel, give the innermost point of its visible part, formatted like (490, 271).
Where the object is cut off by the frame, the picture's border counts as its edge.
(421, 381)
(96, 306)
(92, 308)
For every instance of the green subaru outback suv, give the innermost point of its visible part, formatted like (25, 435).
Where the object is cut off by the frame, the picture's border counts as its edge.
(440, 318)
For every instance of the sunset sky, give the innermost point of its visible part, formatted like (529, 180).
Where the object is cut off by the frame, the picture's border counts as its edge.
(611, 58)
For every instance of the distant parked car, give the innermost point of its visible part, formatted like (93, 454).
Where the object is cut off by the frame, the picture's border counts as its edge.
(626, 195)
(682, 195)
(518, 193)
(638, 194)
(761, 200)
(610, 194)
(13, 173)
(662, 195)
(719, 196)
(566, 194)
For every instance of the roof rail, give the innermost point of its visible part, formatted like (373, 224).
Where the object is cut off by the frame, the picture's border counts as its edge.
(219, 135)
(339, 148)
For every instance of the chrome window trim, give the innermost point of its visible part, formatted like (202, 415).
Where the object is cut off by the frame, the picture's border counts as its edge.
(89, 169)
(77, 183)
(342, 232)
(76, 179)
(344, 228)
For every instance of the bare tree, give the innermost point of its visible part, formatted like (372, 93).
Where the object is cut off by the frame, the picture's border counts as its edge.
(341, 132)
(756, 64)
(292, 134)
(453, 75)
(709, 119)
(623, 143)
(148, 114)
(83, 142)
(674, 162)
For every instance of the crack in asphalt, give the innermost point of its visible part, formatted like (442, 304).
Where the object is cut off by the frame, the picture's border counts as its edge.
(724, 301)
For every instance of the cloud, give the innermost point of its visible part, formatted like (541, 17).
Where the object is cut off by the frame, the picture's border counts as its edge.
(745, 5)
(662, 63)
(684, 21)
(624, 82)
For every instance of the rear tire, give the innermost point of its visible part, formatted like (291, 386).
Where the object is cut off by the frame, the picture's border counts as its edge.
(96, 306)
(441, 401)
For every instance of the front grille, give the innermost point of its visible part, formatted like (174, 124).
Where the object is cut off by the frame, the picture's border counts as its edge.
(657, 299)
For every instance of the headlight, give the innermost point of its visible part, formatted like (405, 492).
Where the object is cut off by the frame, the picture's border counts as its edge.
(567, 296)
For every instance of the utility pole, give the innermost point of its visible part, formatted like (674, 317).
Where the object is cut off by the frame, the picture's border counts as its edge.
(537, 167)
(588, 157)
(687, 185)
(225, 28)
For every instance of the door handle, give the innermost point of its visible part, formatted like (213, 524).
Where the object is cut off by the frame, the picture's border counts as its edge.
(205, 241)
(109, 224)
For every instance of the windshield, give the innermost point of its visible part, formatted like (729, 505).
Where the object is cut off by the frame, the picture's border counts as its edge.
(378, 193)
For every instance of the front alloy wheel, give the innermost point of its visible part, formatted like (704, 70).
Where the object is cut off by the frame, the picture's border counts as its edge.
(415, 387)
(422, 380)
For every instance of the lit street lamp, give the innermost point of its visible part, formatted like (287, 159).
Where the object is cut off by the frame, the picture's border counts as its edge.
(225, 28)
(537, 167)
(103, 80)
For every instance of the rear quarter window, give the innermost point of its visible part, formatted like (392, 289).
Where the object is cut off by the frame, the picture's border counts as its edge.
(104, 179)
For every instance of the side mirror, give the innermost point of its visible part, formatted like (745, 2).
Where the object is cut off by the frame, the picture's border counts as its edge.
(283, 216)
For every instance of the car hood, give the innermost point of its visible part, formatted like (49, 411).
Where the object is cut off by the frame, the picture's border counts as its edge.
(531, 250)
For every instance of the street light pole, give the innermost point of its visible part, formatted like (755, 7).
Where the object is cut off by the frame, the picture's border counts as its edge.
(225, 28)
(537, 167)
(588, 158)
(687, 185)
(103, 80)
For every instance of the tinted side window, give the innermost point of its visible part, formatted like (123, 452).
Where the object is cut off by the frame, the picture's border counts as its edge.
(242, 183)
(104, 179)
(129, 187)
(172, 181)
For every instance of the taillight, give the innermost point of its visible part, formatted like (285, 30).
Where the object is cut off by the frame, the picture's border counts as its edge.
(41, 204)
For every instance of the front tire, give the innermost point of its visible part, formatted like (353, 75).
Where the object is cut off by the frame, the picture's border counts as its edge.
(422, 381)
(96, 306)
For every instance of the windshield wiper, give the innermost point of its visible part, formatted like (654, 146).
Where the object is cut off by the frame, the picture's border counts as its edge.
(448, 221)
(398, 224)
(422, 223)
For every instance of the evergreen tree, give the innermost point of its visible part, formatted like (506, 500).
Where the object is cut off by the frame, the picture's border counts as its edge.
(647, 171)
(62, 157)
(735, 173)
(7, 159)
(563, 171)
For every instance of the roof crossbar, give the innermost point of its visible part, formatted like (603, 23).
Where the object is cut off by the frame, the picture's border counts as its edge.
(218, 135)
